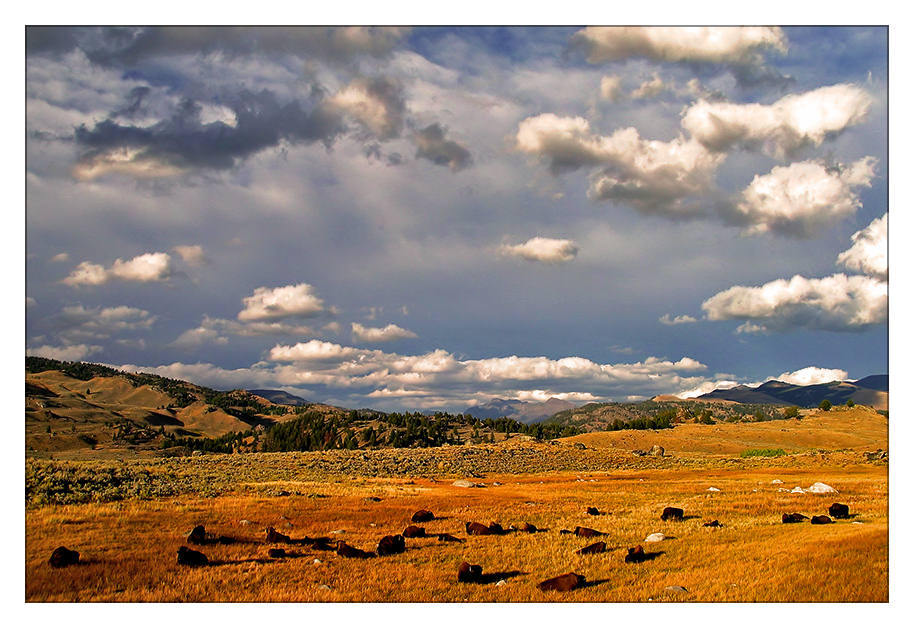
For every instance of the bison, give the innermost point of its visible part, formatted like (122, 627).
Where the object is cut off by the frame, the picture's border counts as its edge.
(597, 548)
(528, 527)
(820, 519)
(671, 514)
(592, 511)
(635, 555)
(191, 558)
(197, 536)
(347, 551)
(839, 511)
(391, 544)
(563, 583)
(63, 557)
(713, 524)
(421, 516)
(414, 532)
(276, 537)
(469, 573)
(793, 518)
(477, 529)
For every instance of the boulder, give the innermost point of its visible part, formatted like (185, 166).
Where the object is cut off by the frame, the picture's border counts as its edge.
(63, 557)
(656, 537)
(676, 589)
(821, 488)
(656, 450)
(464, 483)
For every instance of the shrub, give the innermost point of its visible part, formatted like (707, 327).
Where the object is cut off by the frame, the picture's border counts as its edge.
(762, 453)
(825, 405)
(850, 403)
(792, 412)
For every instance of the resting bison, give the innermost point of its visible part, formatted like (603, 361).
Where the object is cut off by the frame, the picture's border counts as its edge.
(592, 511)
(713, 524)
(421, 516)
(449, 538)
(793, 518)
(347, 551)
(820, 519)
(322, 544)
(597, 548)
(672, 514)
(469, 573)
(391, 545)
(275, 537)
(528, 527)
(495, 528)
(839, 511)
(414, 532)
(477, 529)
(563, 583)
(587, 532)
(564, 531)
(276, 552)
(191, 558)
(635, 555)
(63, 557)
(197, 536)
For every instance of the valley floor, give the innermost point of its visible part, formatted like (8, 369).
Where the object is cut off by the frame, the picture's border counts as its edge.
(128, 547)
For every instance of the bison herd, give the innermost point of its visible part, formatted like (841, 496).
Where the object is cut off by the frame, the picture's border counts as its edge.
(466, 573)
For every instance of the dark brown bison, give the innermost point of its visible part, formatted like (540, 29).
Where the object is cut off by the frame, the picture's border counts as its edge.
(563, 583)
(477, 529)
(197, 536)
(635, 555)
(793, 518)
(276, 552)
(597, 548)
(414, 532)
(469, 573)
(322, 544)
(495, 528)
(587, 532)
(820, 519)
(592, 511)
(347, 551)
(191, 558)
(672, 514)
(713, 524)
(391, 544)
(276, 537)
(839, 511)
(528, 527)
(63, 557)
(421, 516)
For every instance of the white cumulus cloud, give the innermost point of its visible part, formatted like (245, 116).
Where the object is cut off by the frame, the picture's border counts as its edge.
(388, 333)
(67, 353)
(142, 268)
(192, 254)
(540, 249)
(803, 197)
(682, 319)
(812, 375)
(711, 44)
(782, 128)
(276, 303)
(870, 251)
(834, 303)
(611, 88)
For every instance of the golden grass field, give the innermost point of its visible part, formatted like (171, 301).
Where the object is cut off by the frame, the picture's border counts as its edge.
(128, 547)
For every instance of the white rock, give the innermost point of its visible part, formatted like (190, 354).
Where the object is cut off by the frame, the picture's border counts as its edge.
(245, 522)
(797, 489)
(857, 523)
(317, 561)
(714, 489)
(821, 488)
(777, 481)
(500, 583)
(676, 589)
(656, 537)
(464, 483)
(337, 531)
(325, 587)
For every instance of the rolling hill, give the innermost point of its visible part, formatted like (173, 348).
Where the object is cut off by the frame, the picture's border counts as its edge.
(870, 391)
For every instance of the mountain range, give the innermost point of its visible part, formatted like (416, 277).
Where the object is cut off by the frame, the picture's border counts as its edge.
(870, 391)
(523, 411)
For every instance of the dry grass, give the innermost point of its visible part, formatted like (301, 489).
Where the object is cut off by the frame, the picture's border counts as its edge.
(130, 546)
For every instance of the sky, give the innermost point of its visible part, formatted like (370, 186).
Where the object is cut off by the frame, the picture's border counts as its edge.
(428, 218)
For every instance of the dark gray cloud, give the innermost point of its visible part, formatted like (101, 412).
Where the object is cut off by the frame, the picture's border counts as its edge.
(183, 141)
(432, 144)
(127, 45)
